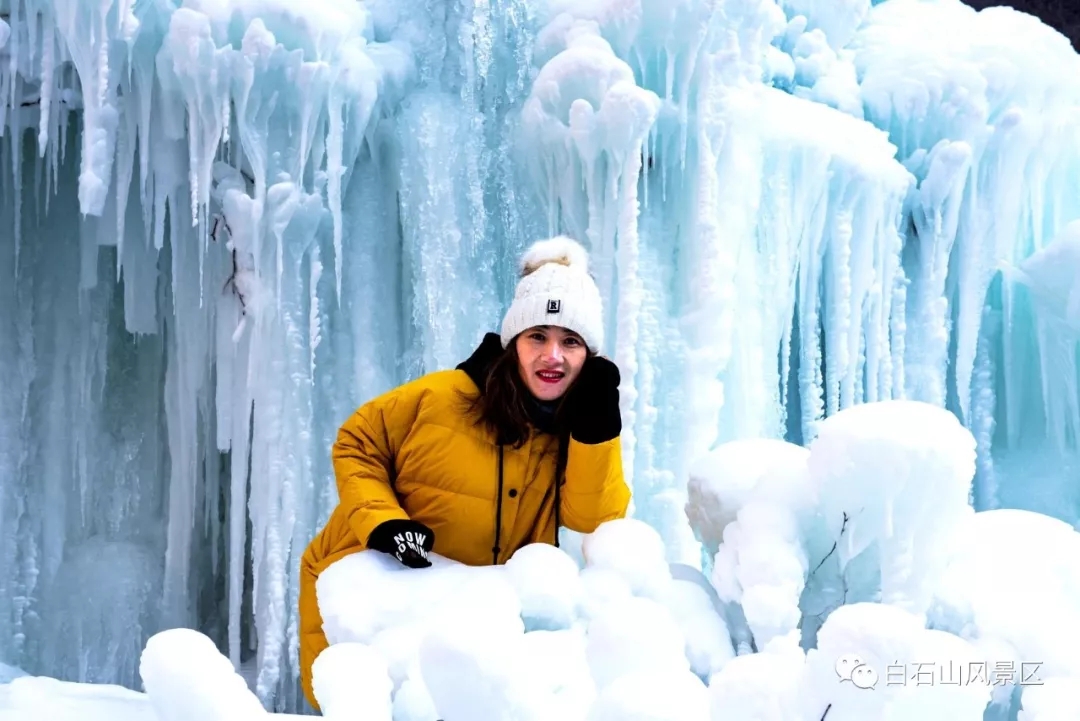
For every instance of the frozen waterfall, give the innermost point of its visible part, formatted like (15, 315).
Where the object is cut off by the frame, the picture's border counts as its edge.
(227, 223)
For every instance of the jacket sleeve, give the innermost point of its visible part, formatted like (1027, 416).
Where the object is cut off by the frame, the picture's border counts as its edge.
(363, 458)
(595, 490)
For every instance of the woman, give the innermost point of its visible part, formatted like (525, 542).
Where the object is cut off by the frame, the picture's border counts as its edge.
(463, 462)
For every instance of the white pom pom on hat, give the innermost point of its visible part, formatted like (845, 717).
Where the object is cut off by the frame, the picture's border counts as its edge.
(560, 249)
(556, 289)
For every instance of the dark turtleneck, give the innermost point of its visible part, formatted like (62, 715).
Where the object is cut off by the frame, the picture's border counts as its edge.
(541, 413)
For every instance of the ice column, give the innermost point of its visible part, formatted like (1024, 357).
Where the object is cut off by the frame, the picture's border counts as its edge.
(587, 120)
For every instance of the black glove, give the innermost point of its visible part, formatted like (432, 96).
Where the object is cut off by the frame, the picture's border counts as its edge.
(593, 414)
(407, 541)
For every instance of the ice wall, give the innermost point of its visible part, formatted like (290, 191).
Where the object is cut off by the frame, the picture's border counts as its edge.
(973, 103)
(231, 222)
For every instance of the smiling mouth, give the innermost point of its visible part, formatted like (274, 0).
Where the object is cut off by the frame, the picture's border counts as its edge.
(550, 376)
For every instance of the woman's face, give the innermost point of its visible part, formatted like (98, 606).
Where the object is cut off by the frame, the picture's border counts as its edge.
(549, 359)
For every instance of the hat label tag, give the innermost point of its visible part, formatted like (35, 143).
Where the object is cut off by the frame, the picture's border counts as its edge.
(553, 306)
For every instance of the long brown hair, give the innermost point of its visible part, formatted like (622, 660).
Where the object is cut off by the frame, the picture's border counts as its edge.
(502, 406)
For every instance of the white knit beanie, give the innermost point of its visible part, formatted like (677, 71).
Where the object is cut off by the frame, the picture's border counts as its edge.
(556, 289)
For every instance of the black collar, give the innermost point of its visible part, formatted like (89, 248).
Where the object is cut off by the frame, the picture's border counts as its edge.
(478, 365)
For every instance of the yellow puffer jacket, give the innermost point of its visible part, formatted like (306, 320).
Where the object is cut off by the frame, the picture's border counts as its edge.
(416, 453)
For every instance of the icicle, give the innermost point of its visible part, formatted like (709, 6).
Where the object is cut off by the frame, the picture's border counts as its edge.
(810, 380)
(936, 219)
(237, 356)
(350, 105)
(710, 272)
(85, 31)
(125, 151)
(839, 294)
(898, 334)
(628, 307)
(629, 113)
(15, 140)
(314, 322)
(226, 121)
(334, 172)
(10, 78)
(48, 65)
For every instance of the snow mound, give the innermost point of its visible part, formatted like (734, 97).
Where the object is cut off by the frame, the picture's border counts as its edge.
(763, 686)
(875, 539)
(39, 698)
(653, 696)
(722, 481)
(894, 476)
(862, 514)
(186, 678)
(876, 661)
(548, 584)
(1013, 583)
(634, 552)
(701, 621)
(537, 638)
(634, 635)
(1056, 700)
(10, 673)
(348, 676)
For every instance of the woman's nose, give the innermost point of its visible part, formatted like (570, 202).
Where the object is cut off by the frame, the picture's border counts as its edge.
(553, 351)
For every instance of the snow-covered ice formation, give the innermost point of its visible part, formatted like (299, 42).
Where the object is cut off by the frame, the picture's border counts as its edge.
(986, 631)
(870, 530)
(230, 222)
